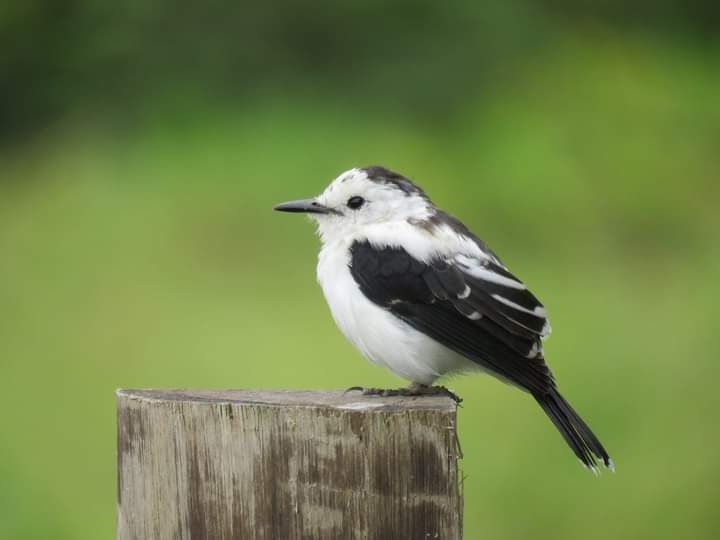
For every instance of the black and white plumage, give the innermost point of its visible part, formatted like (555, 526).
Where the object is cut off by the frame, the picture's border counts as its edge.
(417, 292)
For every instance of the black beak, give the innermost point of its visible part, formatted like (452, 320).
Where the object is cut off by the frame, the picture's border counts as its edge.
(307, 206)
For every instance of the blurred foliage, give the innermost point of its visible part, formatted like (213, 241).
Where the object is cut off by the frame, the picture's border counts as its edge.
(145, 143)
(422, 56)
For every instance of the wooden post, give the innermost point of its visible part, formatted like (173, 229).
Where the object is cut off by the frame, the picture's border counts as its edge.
(285, 465)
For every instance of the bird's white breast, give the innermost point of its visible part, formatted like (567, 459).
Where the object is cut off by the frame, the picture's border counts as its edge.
(380, 336)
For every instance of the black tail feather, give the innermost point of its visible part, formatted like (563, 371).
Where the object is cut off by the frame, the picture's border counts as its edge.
(574, 430)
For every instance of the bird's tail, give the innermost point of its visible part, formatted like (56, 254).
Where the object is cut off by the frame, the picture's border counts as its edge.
(574, 430)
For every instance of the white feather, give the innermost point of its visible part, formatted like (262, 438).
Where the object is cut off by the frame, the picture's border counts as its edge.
(380, 336)
(538, 311)
(478, 270)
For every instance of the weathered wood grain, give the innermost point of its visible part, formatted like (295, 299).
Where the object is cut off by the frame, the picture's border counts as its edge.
(281, 465)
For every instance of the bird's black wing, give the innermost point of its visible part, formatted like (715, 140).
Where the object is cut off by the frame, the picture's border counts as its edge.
(477, 308)
(472, 306)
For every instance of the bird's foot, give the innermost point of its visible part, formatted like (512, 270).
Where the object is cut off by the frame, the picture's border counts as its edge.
(413, 390)
(427, 390)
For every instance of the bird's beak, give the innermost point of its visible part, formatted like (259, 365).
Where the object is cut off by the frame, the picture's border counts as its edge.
(307, 206)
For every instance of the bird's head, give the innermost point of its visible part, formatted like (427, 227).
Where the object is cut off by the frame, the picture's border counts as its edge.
(361, 198)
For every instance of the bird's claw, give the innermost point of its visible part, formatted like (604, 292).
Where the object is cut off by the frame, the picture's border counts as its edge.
(444, 391)
(414, 390)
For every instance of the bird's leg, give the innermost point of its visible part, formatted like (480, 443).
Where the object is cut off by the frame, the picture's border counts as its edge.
(415, 389)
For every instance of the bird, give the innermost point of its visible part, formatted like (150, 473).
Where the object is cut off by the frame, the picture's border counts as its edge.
(416, 291)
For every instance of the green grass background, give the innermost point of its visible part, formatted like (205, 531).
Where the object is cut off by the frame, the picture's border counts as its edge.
(149, 257)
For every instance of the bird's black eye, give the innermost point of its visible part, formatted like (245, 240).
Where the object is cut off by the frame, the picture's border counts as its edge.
(355, 202)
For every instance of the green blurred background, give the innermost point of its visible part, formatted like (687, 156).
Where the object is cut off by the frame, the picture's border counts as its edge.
(143, 144)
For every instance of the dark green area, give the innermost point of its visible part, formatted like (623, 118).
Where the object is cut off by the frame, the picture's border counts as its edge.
(144, 145)
(421, 58)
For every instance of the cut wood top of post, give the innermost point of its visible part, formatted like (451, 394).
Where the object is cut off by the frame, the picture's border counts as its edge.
(335, 399)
